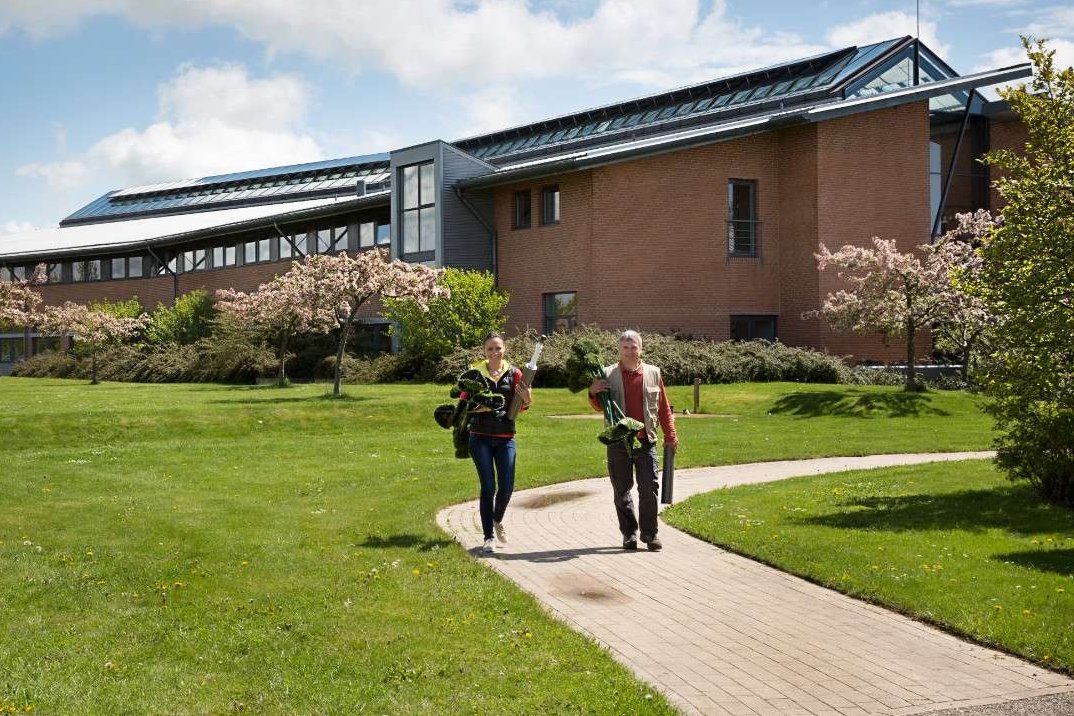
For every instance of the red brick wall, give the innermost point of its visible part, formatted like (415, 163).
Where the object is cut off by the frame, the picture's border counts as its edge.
(1010, 134)
(643, 242)
(873, 180)
(149, 291)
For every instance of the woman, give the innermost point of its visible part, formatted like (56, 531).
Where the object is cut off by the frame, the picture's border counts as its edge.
(492, 437)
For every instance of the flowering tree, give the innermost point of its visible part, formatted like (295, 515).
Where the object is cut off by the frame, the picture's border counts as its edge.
(345, 283)
(890, 292)
(284, 306)
(18, 304)
(966, 317)
(95, 330)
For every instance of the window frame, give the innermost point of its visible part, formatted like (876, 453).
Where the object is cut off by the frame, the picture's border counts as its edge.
(550, 205)
(419, 210)
(552, 319)
(740, 229)
(751, 320)
(523, 209)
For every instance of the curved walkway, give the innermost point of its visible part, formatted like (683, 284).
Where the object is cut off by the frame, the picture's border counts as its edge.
(722, 634)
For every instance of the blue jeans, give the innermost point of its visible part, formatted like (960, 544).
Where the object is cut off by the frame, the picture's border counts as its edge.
(495, 461)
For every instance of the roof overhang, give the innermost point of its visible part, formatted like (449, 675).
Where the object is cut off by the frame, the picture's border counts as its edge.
(726, 131)
(161, 232)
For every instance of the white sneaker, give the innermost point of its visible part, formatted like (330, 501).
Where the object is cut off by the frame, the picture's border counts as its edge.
(501, 531)
(489, 547)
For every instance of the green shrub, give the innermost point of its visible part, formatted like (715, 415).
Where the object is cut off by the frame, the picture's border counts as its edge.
(680, 360)
(385, 368)
(188, 320)
(462, 320)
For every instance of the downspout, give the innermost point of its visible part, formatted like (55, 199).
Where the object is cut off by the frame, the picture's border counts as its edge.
(164, 264)
(488, 228)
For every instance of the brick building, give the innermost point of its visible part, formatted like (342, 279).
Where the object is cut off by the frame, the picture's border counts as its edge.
(704, 204)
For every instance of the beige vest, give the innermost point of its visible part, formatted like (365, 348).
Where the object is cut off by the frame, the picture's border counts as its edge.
(650, 385)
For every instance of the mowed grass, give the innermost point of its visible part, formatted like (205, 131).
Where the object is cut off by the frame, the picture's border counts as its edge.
(955, 544)
(206, 549)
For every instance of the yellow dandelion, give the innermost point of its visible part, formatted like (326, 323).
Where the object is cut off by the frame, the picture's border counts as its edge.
(416, 571)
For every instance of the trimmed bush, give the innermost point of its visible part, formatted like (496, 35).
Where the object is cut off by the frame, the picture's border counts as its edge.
(680, 360)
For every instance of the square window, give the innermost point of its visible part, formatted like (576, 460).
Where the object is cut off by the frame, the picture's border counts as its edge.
(560, 311)
(550, 205)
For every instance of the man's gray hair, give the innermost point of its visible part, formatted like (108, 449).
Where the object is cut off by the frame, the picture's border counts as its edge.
(630, 336)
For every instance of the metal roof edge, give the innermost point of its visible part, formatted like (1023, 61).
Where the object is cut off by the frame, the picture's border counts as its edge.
(723, 132)
(382, 197)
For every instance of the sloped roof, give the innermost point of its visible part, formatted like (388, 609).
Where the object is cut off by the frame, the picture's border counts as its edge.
(349, 176)
(134, 233)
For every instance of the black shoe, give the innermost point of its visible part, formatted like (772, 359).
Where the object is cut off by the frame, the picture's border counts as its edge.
(630, 542)
(653, 543)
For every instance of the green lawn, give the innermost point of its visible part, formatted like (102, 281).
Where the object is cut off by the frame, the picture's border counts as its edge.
(952, 543)
(202, 548)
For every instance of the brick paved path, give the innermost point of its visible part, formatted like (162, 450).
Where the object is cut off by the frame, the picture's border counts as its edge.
(721, 634)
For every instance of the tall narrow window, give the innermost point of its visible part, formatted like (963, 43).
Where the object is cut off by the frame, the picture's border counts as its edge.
(523, 213)
(742, 225)
(134, 267)
(419, 208)
(560, 311)
(550, 205)
(935, 180)
(119, 268)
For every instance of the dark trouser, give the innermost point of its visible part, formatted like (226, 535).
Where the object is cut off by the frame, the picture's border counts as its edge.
(495, 461)
(622, 468)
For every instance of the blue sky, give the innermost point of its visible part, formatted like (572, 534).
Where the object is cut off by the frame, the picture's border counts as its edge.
(101, 94)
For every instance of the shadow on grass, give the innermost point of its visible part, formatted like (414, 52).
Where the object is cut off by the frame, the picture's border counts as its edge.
(853, 404)
(423, 544)
(289, 399)
(1060, 561)
(1015, 509)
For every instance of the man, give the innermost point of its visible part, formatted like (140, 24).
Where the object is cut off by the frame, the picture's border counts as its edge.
(639, 390)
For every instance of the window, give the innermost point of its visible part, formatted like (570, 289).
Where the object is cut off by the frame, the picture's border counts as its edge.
(12, 349)
(5, 274)
(119, 268)
(134, 267)
(195, 260)
(367, 235)
(742, 224)
(419, 208)
(560, 312)
(223, 256)
(257, 251)
(332, 241)
(286, 249)
(550, 205)
(384, 234)
(751, 328)
(371, 339)
(86, 270)
(18, 273)
(522, 210)
(53, 273)
(935, 180)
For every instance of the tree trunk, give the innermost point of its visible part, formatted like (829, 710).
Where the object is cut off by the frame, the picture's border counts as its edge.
(966, 352)
(911, 381)
(344, 334)
(93, 368)
(281, 378)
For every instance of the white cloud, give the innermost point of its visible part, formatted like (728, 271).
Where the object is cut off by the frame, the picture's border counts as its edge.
(58, 174)
(492, 108)
(435, 43)
(884, 26)
(212, 120)
(1051, 22)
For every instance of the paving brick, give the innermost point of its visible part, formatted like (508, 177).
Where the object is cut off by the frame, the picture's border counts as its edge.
(718, 633)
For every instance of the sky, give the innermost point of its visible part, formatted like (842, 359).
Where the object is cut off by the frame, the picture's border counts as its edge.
(98, 95)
